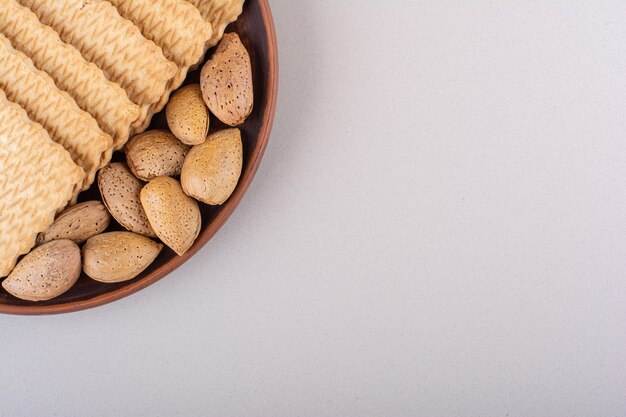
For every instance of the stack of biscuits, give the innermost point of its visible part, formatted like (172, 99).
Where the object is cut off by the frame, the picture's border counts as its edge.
(78, 78)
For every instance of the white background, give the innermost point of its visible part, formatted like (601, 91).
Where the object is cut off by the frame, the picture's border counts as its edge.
(438, 229)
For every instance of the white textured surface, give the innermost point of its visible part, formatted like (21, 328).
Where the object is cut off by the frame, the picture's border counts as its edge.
(438, 229)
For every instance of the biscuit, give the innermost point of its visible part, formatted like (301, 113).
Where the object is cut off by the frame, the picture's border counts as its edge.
(220, 13)
(181, 32)
(111, 42)
(106, 101)
(175, 25)
(37, 180)
(55, 110)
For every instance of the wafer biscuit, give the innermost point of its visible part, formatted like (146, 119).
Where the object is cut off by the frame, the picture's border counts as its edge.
(37, 180)
(55, 110)
(178, 28)
(175, 25)
(111, 42)
(220, 13)
(174, 84)
(106, 101)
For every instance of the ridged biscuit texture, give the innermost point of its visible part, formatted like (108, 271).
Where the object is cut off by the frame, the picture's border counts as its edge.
(37, 180)
(175, 25)
(220, 13)
(55, 110)
(106, 101)
(178, 28)
(111, 42)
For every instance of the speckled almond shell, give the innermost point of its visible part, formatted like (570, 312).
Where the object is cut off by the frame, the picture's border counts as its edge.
(226, 81)
(174, 216)
(113, 43)
(220, 13)
(78, 223)
(37, 180)
(188, 115)
(56, 110)
(46, 272)
(106, 101)
(154, 154)
(120, 193)
(211, 170)
(118, 256)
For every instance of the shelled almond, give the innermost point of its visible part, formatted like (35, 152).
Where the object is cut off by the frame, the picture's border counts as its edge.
(78, 223)
(211, 170)
(155, 153)
(226, 81)
(120, 193)
(187, 115)
(173, 215)
(118, 256)
(46, 272)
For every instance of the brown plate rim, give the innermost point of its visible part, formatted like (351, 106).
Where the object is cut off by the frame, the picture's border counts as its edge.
(216, 223)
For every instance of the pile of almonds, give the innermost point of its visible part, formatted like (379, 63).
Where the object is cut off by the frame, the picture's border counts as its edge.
(156, 193)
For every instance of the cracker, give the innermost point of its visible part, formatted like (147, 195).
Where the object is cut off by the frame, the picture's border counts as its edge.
(55, 110)
(179, 29)
(174, 84)
(111, 42)
(37, 180)
(175, 25)
(106, 101)
(220, 13)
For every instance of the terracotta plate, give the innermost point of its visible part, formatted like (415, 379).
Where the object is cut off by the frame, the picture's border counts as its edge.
(256, 29)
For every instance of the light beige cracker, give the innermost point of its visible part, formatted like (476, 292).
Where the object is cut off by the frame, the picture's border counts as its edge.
(37, 179)
(55, 110)
(220, 13)
(174, 84)
(178, 28)
(111, 42)
(106, 101)
(175, 25)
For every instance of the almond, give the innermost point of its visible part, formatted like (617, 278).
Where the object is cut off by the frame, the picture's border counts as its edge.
(174, 216)
(226, 81)
(154, 154)
(120, 193)
(187, 115)
(45, 273)
(211, 170)
(78, 223)
(118, 256)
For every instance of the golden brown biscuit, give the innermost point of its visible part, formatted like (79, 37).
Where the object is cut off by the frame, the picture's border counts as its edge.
(178, 28)
(37, 179)
(220, 13)
(106, 101)
(111, 42)
(55, 110)
(175, 25)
